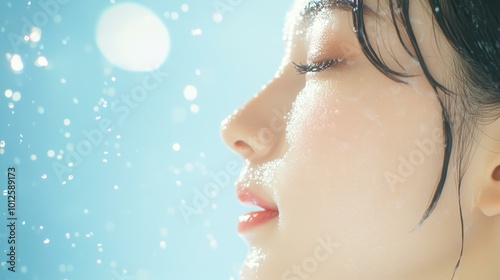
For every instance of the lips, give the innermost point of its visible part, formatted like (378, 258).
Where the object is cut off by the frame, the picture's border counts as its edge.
(254, 219)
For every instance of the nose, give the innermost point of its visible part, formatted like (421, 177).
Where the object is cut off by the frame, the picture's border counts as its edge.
(257, 130)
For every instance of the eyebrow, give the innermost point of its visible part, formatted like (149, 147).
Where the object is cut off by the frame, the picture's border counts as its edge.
(313, 7)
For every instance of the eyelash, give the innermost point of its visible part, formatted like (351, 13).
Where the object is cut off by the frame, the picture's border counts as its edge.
(315, 66)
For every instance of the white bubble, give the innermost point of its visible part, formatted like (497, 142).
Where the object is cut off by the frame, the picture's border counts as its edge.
(36, 34)
(115, 187)
(85, 211)
(67, 122)
(217, 17)
(51, 153)
(194, 108)
(44, 176)
(63, 81)
(46, 241)
(16, 63)
(190, 92)
(33, 157)
(132, 37)
(184, 7)
(70, 177)
(163, 245)
(176, 147)
(2, 144)
(67, 235)
(196, 32)
(75, 100)
(174, 16)
(197, 72)
(16, 96)
(99, 261)
(8, 93)
(67, 134)
(41, 61)
(10, 105)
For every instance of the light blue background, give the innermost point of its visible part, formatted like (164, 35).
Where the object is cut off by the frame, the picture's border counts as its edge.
(236, 57)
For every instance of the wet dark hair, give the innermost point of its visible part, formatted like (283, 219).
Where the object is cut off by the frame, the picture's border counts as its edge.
(472, 28)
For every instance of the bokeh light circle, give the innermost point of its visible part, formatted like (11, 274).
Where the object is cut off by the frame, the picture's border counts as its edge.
(132, 37)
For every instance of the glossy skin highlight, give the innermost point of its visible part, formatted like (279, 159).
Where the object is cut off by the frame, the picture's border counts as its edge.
(353, 163)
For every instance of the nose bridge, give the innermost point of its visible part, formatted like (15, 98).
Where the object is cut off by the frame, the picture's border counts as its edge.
(256, 130)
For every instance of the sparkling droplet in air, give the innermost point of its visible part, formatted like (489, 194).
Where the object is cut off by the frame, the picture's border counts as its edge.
(8, 93)
(184, 7)
(16, 96)
(67, 122)
(163, 245)
(176, 147)
(217, 17)
(33, 157)
(2, 144)
(41, 61)
(51, 153)
(190, 92)
(36, 34)
(16, 63)
(46, 241)
(196, 32)
(194, 108)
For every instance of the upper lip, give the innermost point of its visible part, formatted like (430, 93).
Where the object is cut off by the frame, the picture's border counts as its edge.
(245, 195)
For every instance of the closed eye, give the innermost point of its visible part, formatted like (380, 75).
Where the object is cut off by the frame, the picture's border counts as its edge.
(315, 66)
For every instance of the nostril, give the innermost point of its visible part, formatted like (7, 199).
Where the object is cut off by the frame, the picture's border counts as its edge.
(496, 174)
(243, 148)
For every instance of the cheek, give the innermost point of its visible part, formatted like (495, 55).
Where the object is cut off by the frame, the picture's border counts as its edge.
(347, 148)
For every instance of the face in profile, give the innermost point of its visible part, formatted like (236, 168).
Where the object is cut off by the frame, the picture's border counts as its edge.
(345, 160)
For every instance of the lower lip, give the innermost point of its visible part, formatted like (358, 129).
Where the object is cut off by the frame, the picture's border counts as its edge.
(253, 219)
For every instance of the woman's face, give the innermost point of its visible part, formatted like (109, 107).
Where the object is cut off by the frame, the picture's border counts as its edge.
(348, 157)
